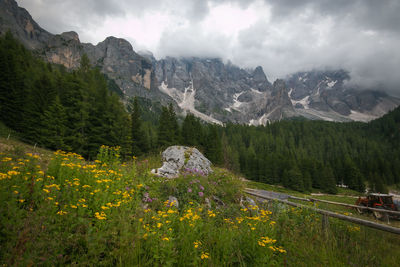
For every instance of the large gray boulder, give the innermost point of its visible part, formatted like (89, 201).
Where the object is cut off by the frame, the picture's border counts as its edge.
(178, 159)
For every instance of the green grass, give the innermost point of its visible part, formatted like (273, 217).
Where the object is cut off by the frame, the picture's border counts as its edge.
(58, 209)
(344, 195)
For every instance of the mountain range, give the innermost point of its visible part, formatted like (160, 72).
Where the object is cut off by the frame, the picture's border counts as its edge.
(209, 88)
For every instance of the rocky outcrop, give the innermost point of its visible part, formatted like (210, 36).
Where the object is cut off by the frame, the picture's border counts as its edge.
(326, 95)
(178, 159)
(133, 73)
(20, 23)
(115, 56)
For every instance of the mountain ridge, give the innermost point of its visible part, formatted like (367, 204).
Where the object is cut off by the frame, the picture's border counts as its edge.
(208, 88)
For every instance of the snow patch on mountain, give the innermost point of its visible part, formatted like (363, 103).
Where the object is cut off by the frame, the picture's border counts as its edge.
(236, 103)
(188, 97)
(186, 101)
(320, 115)
(263, 120)
(357, 116)
(172, 92)
(305, 102)
(331, 84)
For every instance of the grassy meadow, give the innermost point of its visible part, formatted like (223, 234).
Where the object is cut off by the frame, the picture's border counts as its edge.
(58, 209)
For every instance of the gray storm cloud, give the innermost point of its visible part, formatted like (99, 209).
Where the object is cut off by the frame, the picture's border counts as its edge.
(361, 36)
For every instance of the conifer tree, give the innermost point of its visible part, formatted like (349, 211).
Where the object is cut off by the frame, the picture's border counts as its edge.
(192, 132)
(328, 182)
(138, 138)
(173, 125)
(213, 146)
(76, 106)
(164, 133)
(54, 122)
(168, 129)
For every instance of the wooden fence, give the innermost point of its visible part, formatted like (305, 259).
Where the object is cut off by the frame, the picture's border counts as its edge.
(327, 214)
(346, 205)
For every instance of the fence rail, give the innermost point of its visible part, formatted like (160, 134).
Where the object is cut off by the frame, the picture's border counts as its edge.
(346, 205)
(378, 226)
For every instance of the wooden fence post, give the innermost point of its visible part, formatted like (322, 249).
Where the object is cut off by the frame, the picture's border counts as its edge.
(325, 223)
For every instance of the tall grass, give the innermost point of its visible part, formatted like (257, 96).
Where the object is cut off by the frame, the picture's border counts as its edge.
(73, 212)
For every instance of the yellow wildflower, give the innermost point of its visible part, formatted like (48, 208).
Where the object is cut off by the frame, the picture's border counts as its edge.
(100, 216)
(197, 244)
(204, 255)
(62, 212)
(211, 213)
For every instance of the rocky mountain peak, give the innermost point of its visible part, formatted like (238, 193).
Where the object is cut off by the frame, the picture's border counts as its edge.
(71, 35)
(20, 23)
(279, 85)
(259, 75)
(118, 42)
(206, 87)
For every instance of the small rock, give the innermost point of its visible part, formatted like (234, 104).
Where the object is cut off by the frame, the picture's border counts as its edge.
(173, 201)
(247, 201)
(218, 201)
(208, 202)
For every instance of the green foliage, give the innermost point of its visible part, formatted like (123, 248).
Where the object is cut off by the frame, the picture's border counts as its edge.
(325, 153)
(54, 121)
(213, 146)
(73, 111)
(89, 213)
(168, 128)
(140, 137)
(192, 131)
(110, 156)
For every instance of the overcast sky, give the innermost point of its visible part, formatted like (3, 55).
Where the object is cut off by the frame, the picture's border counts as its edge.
(283, 36)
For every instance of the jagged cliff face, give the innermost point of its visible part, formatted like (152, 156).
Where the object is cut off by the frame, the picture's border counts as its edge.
(21, 25)
(210, 89)
(222, 92)
(325, 95)
(116, 58)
